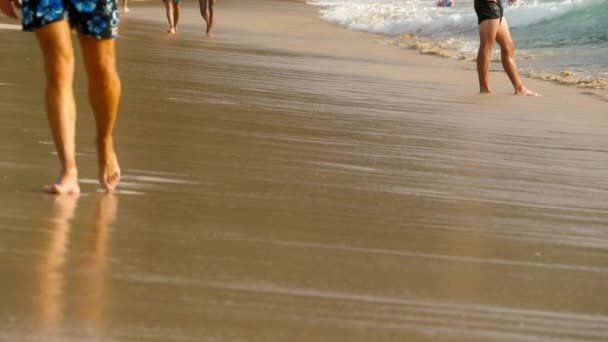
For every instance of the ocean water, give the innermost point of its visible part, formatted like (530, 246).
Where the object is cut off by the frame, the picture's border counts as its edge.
(560, 40)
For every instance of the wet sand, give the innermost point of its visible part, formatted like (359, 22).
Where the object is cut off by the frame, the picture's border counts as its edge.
(291, 181)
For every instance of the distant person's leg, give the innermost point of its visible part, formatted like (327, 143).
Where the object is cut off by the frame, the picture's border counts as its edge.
(202, 5)
(488, 30)
(207, 8)
(176, 10)
(507, 50)
(211, 21)
(169, 9)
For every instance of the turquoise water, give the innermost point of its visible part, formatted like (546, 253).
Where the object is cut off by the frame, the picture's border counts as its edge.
(576, 39)
(565, 40)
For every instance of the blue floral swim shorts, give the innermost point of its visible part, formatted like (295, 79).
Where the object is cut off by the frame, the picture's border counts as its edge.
(95, 18)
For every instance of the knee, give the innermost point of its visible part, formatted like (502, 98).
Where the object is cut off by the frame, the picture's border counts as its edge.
(59, 70)
(508, 48)
(103, 71)
(486, 47)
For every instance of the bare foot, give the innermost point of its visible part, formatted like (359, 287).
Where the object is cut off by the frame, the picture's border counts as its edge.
(109, 171)
(126, 10)
(484, 90)
(171, 30)
(526, 92)
(67, 184)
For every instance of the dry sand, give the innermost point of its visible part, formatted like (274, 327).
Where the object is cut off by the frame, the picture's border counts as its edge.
(292, 181)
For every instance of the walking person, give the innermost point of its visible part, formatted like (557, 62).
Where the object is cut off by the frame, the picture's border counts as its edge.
(96, 22)
(173, 8)
(207, 8)
(493, 28)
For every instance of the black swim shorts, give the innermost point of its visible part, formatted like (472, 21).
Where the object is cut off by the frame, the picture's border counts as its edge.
(488, 10)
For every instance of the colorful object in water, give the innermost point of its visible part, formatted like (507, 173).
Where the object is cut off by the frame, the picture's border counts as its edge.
(445, 3)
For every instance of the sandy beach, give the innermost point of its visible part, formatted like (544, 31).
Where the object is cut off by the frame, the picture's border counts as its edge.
(294, 181)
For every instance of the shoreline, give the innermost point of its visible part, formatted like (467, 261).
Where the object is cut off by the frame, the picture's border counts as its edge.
(595, 87)
(565, 79)
(586, 82)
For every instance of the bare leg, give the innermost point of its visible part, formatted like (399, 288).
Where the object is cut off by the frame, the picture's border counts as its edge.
(169, 8)
(207, 8)
(488, 30)
(56, 44)
(125, 6)
(507, 49)
(202, 5)
(176, 10)
(211, 21)
(104, 94)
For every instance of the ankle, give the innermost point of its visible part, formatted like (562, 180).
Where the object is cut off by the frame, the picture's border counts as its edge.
(104, 141)
(70, 171)
(520, 88)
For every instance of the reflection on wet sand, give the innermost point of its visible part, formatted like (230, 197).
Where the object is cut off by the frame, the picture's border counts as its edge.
(92, 312)
(51, 267)
(52, 292)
